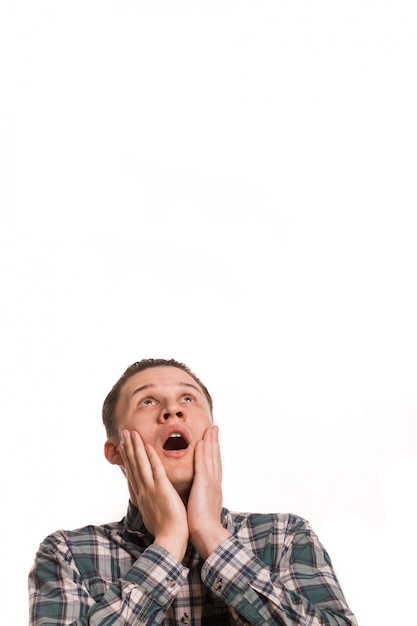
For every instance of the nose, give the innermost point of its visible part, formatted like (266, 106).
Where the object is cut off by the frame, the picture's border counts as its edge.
(172, 409)
(167, 415)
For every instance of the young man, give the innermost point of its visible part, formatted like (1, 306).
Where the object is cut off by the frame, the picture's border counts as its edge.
(178, 557)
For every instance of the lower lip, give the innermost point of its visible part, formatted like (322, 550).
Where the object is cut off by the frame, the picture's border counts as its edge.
(175, 453)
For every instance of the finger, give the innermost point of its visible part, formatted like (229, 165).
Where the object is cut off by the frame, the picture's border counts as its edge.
(199, 460)
(141, 460)
(216, 445)
(126, 450)
(136, 461)
(212, 449)
(155, 462)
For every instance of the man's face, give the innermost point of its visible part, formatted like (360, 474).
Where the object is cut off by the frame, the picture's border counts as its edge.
(170, 411)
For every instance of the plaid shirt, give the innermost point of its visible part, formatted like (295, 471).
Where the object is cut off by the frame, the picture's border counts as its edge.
(272, 570)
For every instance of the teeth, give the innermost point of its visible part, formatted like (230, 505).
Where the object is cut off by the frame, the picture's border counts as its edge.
(175, 435)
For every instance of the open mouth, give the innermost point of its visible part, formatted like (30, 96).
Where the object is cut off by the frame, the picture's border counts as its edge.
(175, 442)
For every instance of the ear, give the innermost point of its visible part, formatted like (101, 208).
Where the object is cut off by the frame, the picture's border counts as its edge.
(111, 452)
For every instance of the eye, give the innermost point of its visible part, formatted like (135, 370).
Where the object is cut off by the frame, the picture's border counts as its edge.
(187, 399)
(147, 402)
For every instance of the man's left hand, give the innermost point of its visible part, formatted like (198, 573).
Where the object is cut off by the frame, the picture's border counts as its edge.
(205, 499)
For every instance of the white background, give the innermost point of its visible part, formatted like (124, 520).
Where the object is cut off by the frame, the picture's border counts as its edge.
(232, 184)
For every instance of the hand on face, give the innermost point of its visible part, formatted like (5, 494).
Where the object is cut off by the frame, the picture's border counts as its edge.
(205, 499)
(162, 509)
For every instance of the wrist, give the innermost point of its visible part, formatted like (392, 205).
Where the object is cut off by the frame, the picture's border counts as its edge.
(208, 540)
(175, 545)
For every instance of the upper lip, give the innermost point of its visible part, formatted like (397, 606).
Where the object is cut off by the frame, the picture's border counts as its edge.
(175, 428)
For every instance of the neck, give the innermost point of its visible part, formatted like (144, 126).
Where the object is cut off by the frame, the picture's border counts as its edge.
(183, 493)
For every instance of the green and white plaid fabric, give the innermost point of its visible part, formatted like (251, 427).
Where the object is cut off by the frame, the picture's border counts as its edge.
(272, 570)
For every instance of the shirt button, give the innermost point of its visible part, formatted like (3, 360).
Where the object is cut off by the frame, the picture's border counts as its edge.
(218, 585)
(170, 582)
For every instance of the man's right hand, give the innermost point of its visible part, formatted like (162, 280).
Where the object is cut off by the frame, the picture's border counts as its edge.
(162, 509)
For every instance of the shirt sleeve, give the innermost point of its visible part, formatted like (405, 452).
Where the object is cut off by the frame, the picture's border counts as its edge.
(300, 588)
(58, 595)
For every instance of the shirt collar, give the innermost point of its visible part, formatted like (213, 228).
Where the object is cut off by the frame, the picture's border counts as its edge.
(133, 521)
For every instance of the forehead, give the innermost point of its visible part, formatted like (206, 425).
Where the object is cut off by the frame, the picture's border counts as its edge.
(164, 378)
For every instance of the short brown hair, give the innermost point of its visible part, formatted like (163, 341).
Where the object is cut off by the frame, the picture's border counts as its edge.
(110, 402)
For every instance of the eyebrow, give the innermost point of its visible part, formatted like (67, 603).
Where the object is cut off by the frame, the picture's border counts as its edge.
(151, 386)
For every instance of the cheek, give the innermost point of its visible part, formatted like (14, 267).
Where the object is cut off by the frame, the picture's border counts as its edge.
(204, 423)
(146, 432)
